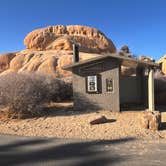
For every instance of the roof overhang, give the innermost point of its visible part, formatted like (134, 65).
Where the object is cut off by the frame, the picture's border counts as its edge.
(124, 60)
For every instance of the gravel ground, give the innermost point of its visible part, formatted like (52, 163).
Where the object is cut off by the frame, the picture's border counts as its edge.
(62, 122)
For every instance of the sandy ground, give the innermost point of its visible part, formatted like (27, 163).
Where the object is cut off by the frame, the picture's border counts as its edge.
(62, 122)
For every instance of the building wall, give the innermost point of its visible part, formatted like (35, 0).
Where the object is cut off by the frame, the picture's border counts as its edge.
(130, 89)
(108, 68)
(133, 89)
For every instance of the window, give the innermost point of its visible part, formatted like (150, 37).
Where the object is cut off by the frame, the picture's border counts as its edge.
(92, 83)
(109, 85)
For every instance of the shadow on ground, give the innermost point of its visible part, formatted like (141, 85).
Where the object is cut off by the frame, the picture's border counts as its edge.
(58, 109)
(83, 105)
(75, 153)
(132, 107)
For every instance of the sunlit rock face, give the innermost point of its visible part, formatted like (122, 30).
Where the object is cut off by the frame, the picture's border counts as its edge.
(62, 37)
(162, 61)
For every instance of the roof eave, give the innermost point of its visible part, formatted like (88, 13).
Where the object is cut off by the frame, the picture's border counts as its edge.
(114, 55)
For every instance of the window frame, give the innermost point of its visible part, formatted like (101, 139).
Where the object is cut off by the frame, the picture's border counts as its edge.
(106, 83)
(96, 84)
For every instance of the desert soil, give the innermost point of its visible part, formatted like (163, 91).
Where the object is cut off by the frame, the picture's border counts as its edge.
(61, 121)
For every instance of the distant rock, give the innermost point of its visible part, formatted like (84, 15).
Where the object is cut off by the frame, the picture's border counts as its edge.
(146, 59)
(124, 51)
(127, 71)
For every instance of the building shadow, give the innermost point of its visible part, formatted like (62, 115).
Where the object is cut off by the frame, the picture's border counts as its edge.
(132, 107)
(58, 109)
(83, 106)
(60, 152)
(161, 108)
(163, 126)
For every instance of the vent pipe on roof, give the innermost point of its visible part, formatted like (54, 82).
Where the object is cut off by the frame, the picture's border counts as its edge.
(75, 53)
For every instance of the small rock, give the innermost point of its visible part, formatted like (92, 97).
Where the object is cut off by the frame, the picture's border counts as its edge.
(151, 120)
(70, 130)
(100, 120)
(15, 129)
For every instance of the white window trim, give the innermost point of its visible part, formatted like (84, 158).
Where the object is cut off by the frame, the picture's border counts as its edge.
(96, 84)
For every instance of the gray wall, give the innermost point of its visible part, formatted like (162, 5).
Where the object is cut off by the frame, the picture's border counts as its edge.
(133, 89)
(130, 90)
(108, 68)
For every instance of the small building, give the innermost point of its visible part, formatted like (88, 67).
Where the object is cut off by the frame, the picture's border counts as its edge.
(99, 84)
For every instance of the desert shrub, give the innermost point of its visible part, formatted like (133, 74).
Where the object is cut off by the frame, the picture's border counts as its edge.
(25, 94)
(59, 89)
(65, 90)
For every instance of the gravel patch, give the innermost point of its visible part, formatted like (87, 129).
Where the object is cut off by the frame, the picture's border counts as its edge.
(62, 122)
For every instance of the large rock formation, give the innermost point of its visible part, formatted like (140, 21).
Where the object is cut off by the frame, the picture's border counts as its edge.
(62, 37)
(45, 62)
(48, 49)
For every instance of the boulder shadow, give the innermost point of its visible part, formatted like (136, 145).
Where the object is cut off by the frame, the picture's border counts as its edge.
(111, 121)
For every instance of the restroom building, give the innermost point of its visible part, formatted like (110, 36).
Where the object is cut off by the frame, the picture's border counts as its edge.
(99, 84)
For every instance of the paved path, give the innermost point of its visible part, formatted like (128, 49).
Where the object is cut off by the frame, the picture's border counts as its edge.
(30, 151)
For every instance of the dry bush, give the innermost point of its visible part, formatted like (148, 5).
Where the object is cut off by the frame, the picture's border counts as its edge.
(25, 94)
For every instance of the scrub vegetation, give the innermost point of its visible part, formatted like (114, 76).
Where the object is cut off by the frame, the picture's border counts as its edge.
(24, 95)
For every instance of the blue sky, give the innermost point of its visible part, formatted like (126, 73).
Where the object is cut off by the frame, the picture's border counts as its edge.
(140, 24)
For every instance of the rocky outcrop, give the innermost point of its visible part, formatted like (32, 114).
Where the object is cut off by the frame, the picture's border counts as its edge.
(146, 59)
(5, 61)
(162, 61)
(62, 37)
(46, 62)
(124, 51)
(48, 49)
(127, 71)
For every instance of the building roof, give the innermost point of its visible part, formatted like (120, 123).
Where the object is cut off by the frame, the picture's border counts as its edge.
(124, 60)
